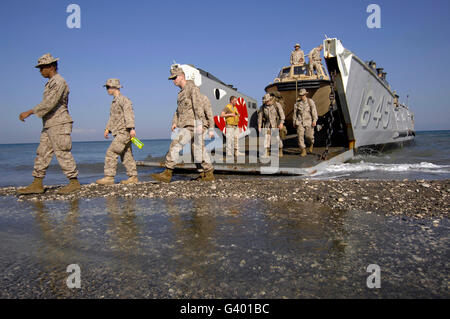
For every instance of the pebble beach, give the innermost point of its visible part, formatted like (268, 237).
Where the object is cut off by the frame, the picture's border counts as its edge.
(419, 198)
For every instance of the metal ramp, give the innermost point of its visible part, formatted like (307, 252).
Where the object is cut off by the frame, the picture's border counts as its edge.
(290, 164)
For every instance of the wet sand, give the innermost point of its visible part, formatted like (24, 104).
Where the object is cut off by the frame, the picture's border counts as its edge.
(403, 198)
(234, 238)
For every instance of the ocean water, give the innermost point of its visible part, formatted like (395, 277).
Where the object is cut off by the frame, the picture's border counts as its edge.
(428, 157)
(17, 161)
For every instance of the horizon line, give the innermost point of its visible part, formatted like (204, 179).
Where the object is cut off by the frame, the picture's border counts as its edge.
(161, 139)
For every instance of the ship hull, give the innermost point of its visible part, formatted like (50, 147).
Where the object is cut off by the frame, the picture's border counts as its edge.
(366, 101)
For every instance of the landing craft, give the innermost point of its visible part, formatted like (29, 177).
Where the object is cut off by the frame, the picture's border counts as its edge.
(370, 112)
(355, 104)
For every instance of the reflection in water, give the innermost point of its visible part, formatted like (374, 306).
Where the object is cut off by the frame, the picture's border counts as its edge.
(312, 230)
(234, 248)
(122, 227)
(194, 228)
(58, 248)
(124, 242)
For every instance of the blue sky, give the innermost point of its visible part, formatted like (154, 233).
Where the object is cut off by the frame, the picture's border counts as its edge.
(243, 43)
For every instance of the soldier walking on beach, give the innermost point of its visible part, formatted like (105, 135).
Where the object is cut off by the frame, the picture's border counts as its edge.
(315, 62)
(305, 119)
(57, 126)
(193, 117)
(297, 56)
(121, 126)
(270, 116)
(231, 115)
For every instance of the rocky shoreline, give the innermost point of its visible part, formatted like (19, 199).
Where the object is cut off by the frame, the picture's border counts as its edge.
(420, 199)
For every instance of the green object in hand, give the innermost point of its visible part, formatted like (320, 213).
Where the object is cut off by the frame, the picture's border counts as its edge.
(137, 142)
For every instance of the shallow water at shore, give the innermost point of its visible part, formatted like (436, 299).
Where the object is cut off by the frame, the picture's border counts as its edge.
(216, 248)
(428, 157)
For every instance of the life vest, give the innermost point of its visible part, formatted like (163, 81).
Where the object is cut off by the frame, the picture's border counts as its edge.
(232, 120)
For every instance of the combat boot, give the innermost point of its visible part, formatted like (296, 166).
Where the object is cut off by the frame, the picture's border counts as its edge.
(209, 176)
(303, 154)
(131, 180)
(266, 153)
(74, 185)
(237, 154)
(200, 177)
(34, 188)
(165, 176)
(310, 150)
(107, 180)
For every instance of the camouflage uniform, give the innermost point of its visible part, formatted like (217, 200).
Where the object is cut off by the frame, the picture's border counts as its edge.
(121, 121)
(305, 113)
(315, 61)
(279, 99)
(270, 117)
(57, 127)
(297, 57)
(193, 109)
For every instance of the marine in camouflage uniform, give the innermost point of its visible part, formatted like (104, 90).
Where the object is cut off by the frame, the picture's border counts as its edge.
(297, 56)
(57, 128)
(305, 119)
(193, 117)
(121, 126)
(270, 116)
(279, 99)
(315, 62)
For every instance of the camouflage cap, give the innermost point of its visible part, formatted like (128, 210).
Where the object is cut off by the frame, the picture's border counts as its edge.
(302, 92)
(267, 98)
(175, 71)
(46, 59)
(114, 83)
(297, 45)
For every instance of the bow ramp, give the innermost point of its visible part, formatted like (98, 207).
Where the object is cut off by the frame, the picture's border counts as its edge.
(289, 164)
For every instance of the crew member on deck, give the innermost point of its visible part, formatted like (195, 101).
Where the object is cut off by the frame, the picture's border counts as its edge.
(315, 62)
(297, 56)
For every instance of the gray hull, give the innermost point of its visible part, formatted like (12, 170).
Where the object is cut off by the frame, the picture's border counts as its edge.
(219, 95)
(366, 101)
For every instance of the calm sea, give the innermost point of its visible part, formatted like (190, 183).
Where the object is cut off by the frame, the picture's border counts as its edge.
(427, 158)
